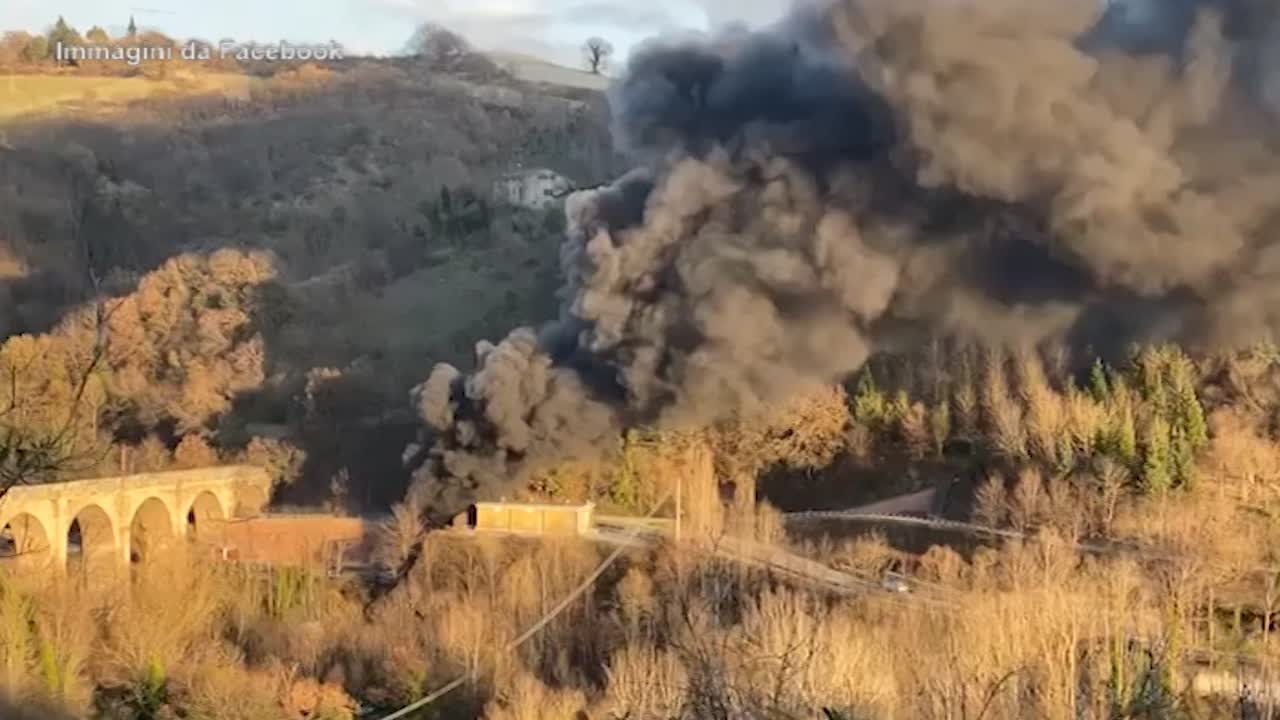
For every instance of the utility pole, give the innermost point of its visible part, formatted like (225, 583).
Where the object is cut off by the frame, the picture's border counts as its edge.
(679, 502)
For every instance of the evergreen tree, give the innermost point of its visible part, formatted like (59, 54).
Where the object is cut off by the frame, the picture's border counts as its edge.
(1197, 428)
(1124, 437)
(624, 491)
(1098, 386)
(1150, 365)
(1190, 415)
(940, 426)
(133, 28)
(1182, 458)
(1066, 454)
(1189, 432)
(899, 406)
(61, 34)
(97, 36)
(1157, 474)
(869, 405)
(1159, 404)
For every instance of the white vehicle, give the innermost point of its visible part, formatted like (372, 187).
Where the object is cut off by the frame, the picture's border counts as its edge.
(895, 583)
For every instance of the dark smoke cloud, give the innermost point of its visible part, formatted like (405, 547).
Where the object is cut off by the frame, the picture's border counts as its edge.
(868, 173)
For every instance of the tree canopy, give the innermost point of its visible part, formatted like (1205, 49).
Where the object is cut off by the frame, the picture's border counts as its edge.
(62, 34)
(437, 43)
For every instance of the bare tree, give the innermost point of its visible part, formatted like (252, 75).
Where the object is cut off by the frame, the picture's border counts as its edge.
(598, 51)
(30, 455)
(13, 46)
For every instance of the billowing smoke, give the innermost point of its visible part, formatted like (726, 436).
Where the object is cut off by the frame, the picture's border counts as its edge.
(872, 172)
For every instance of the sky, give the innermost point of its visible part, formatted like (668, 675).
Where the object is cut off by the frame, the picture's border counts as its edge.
(552, 29)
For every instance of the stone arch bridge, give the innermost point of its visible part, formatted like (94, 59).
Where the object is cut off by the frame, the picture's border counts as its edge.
(110, 522)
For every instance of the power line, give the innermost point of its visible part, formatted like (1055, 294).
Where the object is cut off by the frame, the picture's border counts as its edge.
(1131, 549)
(943, 602)
(533, 630)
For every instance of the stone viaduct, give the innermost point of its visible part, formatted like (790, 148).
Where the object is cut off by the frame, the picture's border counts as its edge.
(106, 523)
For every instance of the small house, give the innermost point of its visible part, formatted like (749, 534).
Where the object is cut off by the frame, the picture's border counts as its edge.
(534, 518)
(536, 188)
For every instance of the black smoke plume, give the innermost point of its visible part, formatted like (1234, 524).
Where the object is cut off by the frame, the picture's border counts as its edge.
(869, 173)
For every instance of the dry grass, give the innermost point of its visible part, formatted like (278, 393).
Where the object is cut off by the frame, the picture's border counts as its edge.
(1101, 609)
(1022, 634)
(177, 635)
(60, 94)
(646, 682)
(1019, 637)
(1024, 629)
(527, 698)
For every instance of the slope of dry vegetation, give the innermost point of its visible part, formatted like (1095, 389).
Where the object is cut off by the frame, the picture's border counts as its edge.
(1144, 494)
(1134, 506)
(1126, 568)
(1168, 464)
(362, 193)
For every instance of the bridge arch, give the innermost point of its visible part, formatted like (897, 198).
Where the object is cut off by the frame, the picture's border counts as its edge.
(26, 542)
(91, 541)
(144, 512)
(204, 516)
(151, 530)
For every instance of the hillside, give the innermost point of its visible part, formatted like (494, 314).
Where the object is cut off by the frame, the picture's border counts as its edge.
(368, 182)
(536, 70)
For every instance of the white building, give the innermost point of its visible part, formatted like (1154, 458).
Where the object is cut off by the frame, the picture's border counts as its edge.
(535, 188)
